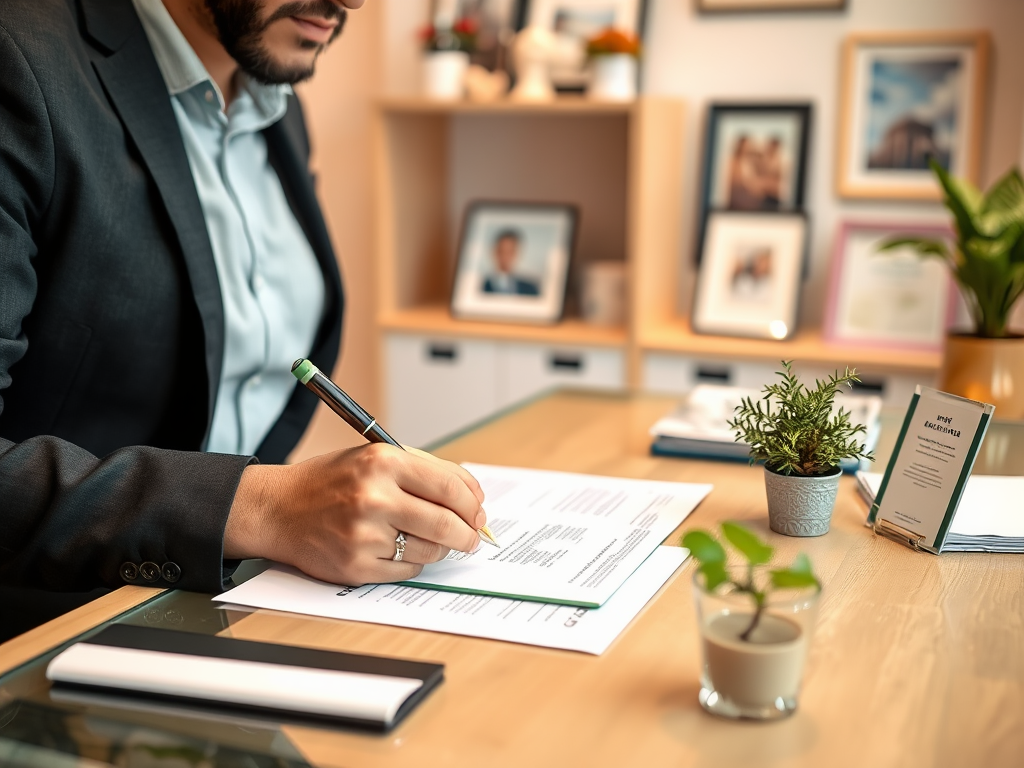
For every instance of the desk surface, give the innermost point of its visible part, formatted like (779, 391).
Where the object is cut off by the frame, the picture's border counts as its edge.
(917, 659)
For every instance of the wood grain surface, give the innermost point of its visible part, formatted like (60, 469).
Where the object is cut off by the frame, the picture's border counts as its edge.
(917, 660)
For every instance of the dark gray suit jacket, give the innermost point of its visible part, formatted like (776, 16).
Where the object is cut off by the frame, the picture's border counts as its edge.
(111, 324)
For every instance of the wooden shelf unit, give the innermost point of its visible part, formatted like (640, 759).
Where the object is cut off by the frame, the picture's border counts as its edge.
(435, 319)
(806, 346)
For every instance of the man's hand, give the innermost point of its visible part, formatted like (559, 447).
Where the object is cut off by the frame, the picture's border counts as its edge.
(336, 516)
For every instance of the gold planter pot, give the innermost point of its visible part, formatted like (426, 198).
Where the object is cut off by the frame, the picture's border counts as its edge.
(989, 370)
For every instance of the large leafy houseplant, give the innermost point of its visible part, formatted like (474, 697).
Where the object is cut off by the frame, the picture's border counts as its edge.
(795, 430)
(987, 260)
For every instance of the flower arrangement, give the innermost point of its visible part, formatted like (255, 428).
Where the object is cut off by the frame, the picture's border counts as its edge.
(461, 36)
(611, 41)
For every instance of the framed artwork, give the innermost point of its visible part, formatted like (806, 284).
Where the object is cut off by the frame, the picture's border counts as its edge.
(573, 22)
(755, 159)
(495, 21)
(908, 99)
(513, 261)
(749, 278)
(714, 6)
(894, 299)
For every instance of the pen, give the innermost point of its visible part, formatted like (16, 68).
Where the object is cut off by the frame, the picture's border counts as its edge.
(353, 413)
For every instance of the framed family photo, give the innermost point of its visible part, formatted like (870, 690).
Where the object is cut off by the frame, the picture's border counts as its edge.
(908, 99)
(750, 273)
(573, 22)
(513, 261)
(716, 6)
(755, 159)
(895, 299)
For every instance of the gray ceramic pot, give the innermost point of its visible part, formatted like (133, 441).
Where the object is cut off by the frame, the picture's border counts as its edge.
(801, 506)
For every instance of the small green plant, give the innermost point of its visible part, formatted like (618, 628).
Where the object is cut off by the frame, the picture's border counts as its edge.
(711, 555)
(794, 430)
(988, 259)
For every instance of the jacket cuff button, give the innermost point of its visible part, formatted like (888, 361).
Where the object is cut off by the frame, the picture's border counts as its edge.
(171, 572)
(149, 571)
(129, 571)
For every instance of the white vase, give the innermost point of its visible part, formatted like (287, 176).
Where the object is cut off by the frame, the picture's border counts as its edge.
(444, 74)
(613, 77)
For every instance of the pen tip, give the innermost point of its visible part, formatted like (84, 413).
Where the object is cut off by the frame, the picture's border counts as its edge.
(486, 535)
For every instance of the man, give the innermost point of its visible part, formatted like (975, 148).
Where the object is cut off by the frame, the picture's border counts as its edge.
(506, 254)
(163, 260)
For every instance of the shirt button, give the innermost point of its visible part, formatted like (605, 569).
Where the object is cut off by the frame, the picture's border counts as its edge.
(209, 95)
(255, 380)
(171, 572)
(149, 571)
(257, 283)
(129, 571)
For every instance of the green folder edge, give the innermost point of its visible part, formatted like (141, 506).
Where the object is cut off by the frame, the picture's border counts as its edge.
(965, 472)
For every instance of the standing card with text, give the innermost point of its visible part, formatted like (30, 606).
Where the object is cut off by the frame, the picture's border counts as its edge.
(933, 458)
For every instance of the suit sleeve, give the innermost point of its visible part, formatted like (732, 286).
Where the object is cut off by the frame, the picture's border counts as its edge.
(68, 519)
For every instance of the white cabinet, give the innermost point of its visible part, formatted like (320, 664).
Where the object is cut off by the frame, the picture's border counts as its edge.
(532, 368)
(437, 385)
(678, 374)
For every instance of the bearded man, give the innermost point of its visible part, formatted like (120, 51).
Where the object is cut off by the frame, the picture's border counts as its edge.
(163, 260)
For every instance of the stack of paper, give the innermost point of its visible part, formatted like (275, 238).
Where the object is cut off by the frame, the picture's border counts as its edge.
(699, 427)
(989, 518)
(579, 558)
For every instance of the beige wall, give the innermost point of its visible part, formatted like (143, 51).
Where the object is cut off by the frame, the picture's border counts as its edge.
(338, 103)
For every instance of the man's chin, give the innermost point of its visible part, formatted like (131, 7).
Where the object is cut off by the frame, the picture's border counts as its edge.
(271, 72)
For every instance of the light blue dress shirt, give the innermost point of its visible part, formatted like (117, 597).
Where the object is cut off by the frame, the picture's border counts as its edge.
(271, 285)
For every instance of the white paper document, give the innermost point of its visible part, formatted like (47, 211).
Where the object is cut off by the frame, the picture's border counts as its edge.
(988, 519)
(552, 626)
(565, 538)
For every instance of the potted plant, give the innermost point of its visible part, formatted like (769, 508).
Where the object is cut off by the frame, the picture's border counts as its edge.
(447, 47)
(801, 438)
(755, 624)
(987, 262)
(613, 56)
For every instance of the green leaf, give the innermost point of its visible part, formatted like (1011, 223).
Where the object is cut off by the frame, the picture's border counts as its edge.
(1003, 203)
(923, 246)
(752, 548)
(704, 547)
(802, 564)
(787, 578)
(714, 575)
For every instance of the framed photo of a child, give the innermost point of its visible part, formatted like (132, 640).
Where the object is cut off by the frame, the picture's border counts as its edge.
(513, 261)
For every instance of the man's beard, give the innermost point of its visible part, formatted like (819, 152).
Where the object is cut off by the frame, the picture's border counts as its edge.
(241, 30)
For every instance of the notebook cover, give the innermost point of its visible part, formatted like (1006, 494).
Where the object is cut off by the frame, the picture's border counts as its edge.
(212, 646)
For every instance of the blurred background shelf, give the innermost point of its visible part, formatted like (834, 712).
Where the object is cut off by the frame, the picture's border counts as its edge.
(435, 320)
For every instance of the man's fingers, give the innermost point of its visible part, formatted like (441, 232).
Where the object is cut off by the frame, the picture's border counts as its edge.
(420, 551)
(470, 481)
(435, 524)
(436, 483)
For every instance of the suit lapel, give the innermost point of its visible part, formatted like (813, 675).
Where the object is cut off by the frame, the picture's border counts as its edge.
(137, 90)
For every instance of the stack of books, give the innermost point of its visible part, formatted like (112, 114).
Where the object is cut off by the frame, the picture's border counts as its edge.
(699, 427)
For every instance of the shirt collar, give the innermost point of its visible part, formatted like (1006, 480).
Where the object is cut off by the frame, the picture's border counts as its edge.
(183, 69)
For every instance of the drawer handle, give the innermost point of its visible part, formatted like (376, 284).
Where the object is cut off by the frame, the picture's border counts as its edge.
(717, 375)
(566, 362)
(449, 353)
(868, 387)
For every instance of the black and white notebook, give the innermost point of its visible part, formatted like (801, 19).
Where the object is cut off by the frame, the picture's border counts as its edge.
(370, 691)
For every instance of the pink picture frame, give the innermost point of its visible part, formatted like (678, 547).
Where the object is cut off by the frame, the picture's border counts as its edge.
(905, 302)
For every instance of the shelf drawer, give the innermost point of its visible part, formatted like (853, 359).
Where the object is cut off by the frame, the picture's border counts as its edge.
(437, 386)
(532, 368)
(678, 374)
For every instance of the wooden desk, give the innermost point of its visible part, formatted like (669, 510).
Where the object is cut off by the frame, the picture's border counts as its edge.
(917, 661)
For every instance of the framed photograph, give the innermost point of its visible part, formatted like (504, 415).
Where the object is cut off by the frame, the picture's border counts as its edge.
(513, 261)
(755, 159)
(908, 99)
(894, 299)
(573, 22)
(495, 21)
(715, 6)
(749, 278)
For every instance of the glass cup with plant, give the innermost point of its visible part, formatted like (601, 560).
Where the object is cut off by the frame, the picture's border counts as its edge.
(755, 622)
